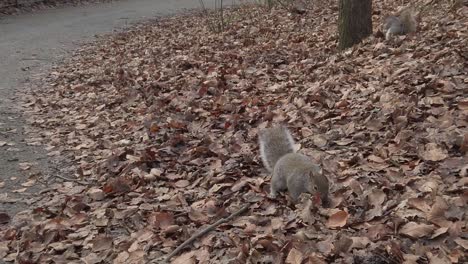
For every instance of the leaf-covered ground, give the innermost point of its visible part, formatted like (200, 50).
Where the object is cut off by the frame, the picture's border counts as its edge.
(161, 125)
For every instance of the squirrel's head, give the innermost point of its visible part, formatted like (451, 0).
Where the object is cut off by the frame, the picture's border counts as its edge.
(320, 185)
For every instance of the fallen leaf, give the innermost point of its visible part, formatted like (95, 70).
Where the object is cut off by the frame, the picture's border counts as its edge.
(420, 204)
(462, 242)
(182, 184)
(437, 213)
(337, 219)
(343, 244)
(24, 166)
(294, 257)
(96, 194)
(161, 220)
(22, 190)
(185, 258)
(439, 231)
(28, 183)
(325, 247)
(315, 259)
(415, 230)
(433, 152)
(121, 258)
(101, 243)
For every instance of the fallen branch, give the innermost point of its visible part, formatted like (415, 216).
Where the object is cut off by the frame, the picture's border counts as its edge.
(206, 230)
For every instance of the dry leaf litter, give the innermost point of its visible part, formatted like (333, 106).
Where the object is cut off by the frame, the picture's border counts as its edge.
(160, 126)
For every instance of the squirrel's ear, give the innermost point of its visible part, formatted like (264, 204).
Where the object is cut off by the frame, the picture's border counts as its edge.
(319, 170)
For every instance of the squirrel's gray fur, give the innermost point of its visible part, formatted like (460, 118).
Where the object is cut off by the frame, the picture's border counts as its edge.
(292, 171)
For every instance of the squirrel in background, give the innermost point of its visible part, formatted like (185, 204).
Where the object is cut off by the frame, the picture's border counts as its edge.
(292, 171)
(402, 24)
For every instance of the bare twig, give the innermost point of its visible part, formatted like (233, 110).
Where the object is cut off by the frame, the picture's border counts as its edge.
(72, 180)
(206, 230)
(216, 23)
(203, 6)
(210, 26)
(45, 191)
(222, 17)
(282, 4)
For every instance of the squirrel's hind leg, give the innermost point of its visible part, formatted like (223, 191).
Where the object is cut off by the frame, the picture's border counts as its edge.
(277, 184)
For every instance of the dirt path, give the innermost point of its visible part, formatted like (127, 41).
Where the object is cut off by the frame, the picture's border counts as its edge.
(29, 45)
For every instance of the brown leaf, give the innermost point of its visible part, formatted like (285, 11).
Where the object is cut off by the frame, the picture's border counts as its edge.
(325, 247)
(182, 184)
(320, 141)
(161, 220)
(415, 230)
(360, 242)
(121, 258)
(433, 152)
(198, 216)
(377, 232)
(93, 258)
(315, 259)
(102, 243)
(455, 255)
(306, 210)
(437, 213)
(96, 194)
(28, 183)
(376, 197)
(203, 255)
(25, 165)
(185, 258)
(117, 186)
(343, 244)
(376, 159)
(439, 231)
(294, 257)
(420, 204)
(337, 219)
(344, 142)
(463, 104)
(437, 259)
(462, 242)
(21, 190)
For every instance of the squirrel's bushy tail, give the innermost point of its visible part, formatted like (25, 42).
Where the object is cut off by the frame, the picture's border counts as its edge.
(274, 142)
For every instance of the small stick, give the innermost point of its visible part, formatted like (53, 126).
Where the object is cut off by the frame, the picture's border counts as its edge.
(46, 190)
(206, 230)
(73, 180)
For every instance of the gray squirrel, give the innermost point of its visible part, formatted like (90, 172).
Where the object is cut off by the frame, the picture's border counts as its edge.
(292, 171)
(402, 24)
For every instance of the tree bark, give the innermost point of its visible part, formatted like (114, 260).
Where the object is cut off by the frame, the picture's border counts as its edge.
(354, 22)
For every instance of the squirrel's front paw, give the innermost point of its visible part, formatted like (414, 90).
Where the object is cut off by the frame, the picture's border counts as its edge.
(272, 194)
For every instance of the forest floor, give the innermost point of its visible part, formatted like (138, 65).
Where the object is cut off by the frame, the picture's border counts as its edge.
(30, 43)
(160, 126)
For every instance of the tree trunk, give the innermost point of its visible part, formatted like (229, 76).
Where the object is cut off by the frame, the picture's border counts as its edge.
(354, 21)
